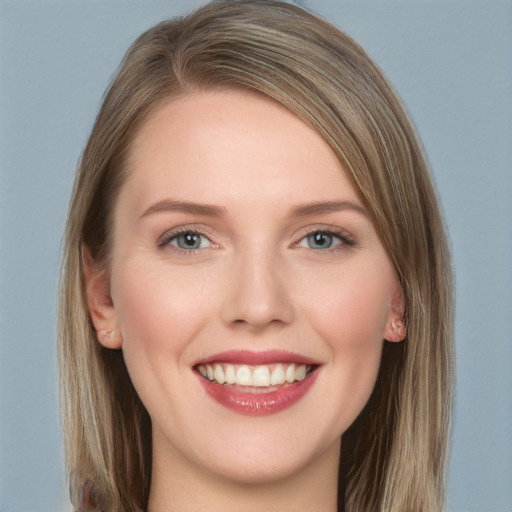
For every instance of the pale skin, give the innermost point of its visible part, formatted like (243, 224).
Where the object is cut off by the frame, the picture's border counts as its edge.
(285, 258)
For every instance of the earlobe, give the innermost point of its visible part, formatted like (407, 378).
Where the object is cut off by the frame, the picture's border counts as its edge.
(99, 302)
(395, 329)
(109, 338)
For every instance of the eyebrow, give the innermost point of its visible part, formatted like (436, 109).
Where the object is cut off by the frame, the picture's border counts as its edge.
(326, 207)
(168, 205)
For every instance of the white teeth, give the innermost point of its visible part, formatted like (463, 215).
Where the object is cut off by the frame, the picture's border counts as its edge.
(244, 376)
(230, 374)
(290, 373)
(218, 374)
(300, 372)
(278, 376)
(260, 376)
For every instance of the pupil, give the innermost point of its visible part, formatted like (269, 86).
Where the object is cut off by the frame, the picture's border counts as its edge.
(320, 240)
(190, 239)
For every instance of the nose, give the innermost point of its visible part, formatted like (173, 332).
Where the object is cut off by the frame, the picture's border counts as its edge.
(258, 292)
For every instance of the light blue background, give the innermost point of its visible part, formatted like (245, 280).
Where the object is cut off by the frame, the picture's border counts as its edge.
(452, 64)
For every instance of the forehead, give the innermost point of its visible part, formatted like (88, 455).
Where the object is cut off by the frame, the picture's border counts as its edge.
(220, 146)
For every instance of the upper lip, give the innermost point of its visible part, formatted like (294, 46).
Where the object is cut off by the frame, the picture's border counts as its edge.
(250, 357)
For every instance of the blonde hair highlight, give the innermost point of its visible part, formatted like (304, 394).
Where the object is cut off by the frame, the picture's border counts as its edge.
(394, 456)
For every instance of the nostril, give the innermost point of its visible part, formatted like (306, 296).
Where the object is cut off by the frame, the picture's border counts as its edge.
(256, 324)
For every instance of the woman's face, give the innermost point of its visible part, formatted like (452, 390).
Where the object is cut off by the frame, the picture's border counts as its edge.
(242, 252)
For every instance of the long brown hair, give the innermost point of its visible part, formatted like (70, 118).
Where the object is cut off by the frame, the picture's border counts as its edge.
(394, 454)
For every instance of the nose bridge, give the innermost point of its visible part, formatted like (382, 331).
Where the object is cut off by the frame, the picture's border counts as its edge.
(258, 292)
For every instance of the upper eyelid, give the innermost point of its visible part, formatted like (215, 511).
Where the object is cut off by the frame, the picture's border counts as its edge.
(332, 230)
(168, 235)
(345, 242)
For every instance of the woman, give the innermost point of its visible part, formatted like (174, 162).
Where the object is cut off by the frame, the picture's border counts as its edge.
(256, 293)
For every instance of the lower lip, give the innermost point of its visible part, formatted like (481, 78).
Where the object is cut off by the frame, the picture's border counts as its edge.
(258, 403)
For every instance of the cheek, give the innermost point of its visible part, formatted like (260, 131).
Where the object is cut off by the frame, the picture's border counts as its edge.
(351, 310)
(158, 311)
(350, 316)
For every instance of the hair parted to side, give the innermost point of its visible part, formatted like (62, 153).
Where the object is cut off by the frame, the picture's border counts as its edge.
(393, 457)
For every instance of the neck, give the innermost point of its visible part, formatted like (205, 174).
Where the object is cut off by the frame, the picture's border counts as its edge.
(181, 486)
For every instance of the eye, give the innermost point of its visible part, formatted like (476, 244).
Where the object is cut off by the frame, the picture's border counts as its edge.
(324, 239)
(189, 240)
(320, 240)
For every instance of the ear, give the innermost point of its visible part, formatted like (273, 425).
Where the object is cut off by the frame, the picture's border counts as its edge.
(395, 329)
(99, 301)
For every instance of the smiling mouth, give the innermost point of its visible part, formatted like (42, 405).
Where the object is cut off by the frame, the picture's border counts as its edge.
(259, 378)
(257, 383)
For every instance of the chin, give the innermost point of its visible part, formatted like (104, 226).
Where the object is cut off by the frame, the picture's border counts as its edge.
(251, 472)
(259, 459)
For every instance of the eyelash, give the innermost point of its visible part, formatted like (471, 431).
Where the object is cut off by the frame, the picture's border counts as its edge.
(166, 239)
(344, 238)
